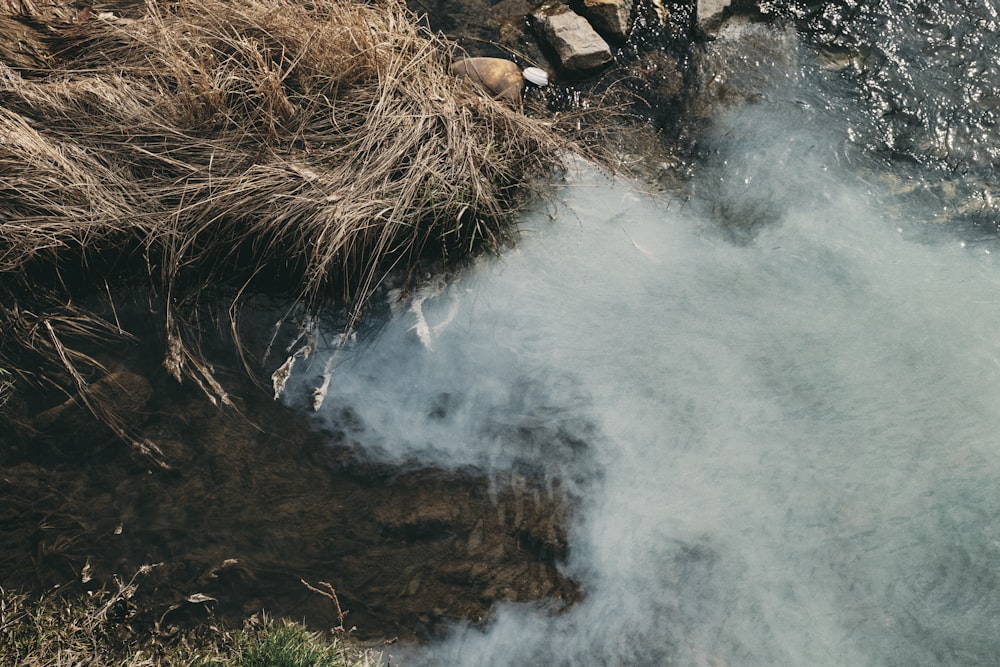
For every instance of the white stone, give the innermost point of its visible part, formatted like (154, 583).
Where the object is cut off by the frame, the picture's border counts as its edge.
(537, 76)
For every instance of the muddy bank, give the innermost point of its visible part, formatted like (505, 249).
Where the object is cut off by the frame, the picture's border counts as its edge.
(257, 501)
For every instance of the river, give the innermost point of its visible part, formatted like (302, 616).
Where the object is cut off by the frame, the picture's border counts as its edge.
(772, 392)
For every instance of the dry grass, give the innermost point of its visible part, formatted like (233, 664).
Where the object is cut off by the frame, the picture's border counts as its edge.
(215, 142)
(103, 628)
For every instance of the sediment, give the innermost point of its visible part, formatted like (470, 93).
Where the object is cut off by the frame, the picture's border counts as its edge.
(253, 507)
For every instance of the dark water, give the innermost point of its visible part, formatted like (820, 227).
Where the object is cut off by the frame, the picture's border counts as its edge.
(926, 75)
(774, 393)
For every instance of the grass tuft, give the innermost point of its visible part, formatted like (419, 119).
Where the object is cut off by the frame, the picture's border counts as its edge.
(6, 386)
(289, 645)
(98, 630)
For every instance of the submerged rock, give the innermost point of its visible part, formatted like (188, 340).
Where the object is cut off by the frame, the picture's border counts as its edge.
(122, 394)
(745, 60)
(577, 45)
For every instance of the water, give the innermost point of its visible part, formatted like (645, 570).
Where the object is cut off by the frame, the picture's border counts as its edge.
(927, 73)
(775, 396)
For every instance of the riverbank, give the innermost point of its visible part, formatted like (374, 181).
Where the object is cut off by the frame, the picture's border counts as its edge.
(244, 148)
(167, 170)
(204, 169)
(233, 512)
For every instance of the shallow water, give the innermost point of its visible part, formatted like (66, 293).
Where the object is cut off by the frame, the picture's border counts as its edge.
(927, 75)
(783, 440)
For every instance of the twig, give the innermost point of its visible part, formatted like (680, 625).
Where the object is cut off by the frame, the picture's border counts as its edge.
(330, 594)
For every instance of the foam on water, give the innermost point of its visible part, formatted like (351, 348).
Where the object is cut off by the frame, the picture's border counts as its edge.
(786, 447)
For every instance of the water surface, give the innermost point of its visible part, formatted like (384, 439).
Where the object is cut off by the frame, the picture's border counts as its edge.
(774, 395)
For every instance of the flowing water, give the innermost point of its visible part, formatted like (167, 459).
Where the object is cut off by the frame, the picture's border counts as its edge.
(773, 394)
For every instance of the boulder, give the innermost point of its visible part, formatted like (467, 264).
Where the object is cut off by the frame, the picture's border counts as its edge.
(576, 44)
(710, 13)
(498, 76)
(611, 18)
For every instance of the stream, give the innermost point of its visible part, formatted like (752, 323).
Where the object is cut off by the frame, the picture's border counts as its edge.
(743, 415)
(771, 396)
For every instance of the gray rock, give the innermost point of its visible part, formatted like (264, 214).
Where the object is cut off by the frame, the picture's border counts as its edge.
(710, 13)
(577, 45)
(612, 18)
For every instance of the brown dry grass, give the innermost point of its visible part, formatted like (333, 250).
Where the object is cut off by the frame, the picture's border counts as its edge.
(212, 142)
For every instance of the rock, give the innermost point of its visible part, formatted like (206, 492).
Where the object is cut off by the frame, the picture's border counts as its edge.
(710, 14)
(498, 76)
(536, 75)
(113, 406)
(612, 18)
(577, 45)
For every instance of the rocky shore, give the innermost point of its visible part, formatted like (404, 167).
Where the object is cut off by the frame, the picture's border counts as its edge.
(667, 65)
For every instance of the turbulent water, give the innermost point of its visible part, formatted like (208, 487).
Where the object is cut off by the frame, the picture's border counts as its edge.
(774, 394)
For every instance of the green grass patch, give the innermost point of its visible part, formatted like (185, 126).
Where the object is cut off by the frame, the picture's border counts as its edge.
(287, 645)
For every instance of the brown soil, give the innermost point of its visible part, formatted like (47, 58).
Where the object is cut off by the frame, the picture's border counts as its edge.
(250, 508)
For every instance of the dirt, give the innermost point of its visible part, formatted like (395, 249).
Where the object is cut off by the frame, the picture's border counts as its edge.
(255, 502)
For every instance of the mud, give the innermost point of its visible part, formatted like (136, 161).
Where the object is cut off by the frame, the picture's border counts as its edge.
(256, 501)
